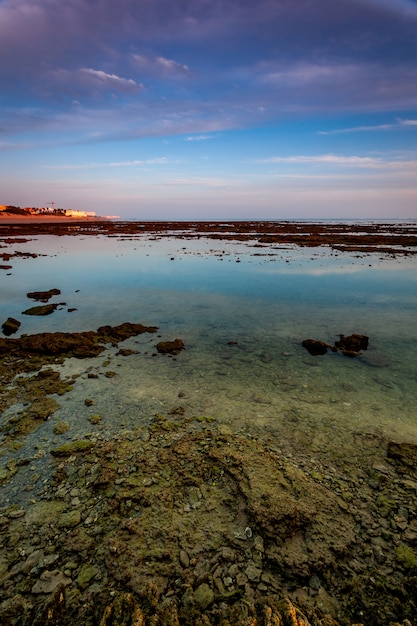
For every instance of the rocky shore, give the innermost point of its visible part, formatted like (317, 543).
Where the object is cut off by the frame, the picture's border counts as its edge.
(179, 523)
(364, 238)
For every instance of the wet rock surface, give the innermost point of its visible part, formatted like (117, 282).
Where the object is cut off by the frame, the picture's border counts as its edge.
(170, 347)
(350, 346)
(80, 345)
(385, 239)
(10, 326)
(43, 296)
(315, 347)
(45, 309)
(177, 523)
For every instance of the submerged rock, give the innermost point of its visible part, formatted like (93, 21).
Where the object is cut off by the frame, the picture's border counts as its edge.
(352, 345)
(10, 326)
(315, 347)
(43, 296)
(170, 347)
(45, 309)
(80, 345)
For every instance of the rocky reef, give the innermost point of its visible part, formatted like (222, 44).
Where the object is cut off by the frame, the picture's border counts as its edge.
(181, 523)
(178, 524)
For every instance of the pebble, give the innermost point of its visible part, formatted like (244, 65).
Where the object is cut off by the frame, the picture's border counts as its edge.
(184, 559)
(253, 573)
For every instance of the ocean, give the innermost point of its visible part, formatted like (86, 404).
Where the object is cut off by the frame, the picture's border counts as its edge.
(242, 312)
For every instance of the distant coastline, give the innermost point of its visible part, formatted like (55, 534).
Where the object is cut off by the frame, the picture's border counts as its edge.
(11, 218)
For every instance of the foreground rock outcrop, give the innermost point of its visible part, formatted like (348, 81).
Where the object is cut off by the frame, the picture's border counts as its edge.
(177, 524)
(80, 345)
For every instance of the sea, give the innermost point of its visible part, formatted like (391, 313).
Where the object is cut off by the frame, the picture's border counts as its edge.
(242, 312)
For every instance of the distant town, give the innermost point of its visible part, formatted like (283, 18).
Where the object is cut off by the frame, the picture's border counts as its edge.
(49, 210)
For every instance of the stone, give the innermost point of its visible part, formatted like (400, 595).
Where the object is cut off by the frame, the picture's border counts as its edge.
(86, 575)
(170, 347)
(123, 612)
(49, 581)
(43, 309)
(204, 596)
(80, 345)
(403, 454)
(43, 296)
(67, 449)
(32, 560)
(10, 326)
(353, 344)
(253, 573)
(315, 347)
(184, 559)
(69, 520)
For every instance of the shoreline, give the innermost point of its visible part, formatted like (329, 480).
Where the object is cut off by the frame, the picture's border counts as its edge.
(183, 522)
(388, 239)
(47, 219)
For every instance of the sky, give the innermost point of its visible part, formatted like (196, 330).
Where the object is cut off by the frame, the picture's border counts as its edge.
(210, 109)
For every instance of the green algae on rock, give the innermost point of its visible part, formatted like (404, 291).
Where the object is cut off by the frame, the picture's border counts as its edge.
(67, 449)
(43, 309)
(79, 344)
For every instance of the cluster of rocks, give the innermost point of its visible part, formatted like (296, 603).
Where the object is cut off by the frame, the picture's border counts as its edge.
(350, 346)
(178, 524)
(12, 325)
(80, 344)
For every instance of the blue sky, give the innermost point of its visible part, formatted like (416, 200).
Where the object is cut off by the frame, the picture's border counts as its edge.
(207, 109)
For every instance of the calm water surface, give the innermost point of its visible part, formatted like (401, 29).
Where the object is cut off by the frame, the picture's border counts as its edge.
(242, 311)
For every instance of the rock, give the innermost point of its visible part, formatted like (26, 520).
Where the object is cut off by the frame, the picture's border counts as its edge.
(123, 612)
(253, 573)
(315, 347)
(86, 575)
(43, 296)
(352, 345)
(81, 345)
(60, 428)
(54, 610)
(10, 326)
(43, 309)
(32, 560)
(126, 352)
(184, 559)
(69, 520)
(67, 449)
(170, 347)
(403, 454)
(203, 596)
(49, 581)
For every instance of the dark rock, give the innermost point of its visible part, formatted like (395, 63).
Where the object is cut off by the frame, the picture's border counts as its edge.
(403, 454)
(115, 334)
(43, 296)
(123, 612)
(43, 309)
(81, 345)
(315, 347)
(10, 326)
(170, 347)
(54, 610)
(352, 345)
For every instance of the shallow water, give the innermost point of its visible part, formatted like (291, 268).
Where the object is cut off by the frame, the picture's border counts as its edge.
(242, 311)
